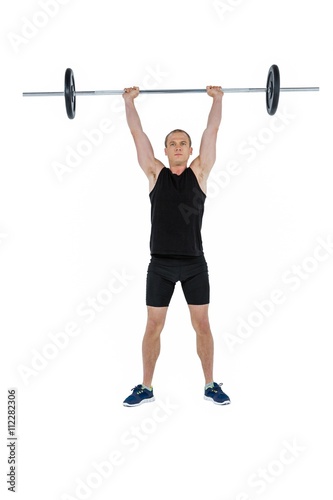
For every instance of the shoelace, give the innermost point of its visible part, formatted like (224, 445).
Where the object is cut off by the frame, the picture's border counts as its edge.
(138, 389)
(217, 387)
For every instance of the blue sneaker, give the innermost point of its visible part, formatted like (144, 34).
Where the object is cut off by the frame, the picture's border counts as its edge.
(139, 396)
(216, 395)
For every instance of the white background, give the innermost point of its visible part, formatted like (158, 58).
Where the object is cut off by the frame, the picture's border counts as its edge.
(65, 236)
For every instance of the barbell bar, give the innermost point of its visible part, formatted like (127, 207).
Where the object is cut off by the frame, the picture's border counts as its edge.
(272, 91)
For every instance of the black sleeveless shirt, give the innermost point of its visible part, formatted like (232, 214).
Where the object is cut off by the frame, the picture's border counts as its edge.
(177, 207)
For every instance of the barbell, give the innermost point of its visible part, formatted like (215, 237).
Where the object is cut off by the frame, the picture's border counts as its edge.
(272, 91)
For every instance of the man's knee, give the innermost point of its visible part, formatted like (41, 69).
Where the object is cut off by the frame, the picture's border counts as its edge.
(156, 318)
(200, 320)
(201, 326)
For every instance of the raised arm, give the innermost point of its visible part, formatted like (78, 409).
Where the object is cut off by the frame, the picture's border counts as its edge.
(146, 158)
(207, 155)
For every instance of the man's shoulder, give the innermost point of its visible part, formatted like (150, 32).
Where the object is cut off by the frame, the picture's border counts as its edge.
(155, 174)
(199, 174)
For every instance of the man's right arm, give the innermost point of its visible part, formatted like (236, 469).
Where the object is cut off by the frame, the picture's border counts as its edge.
(146, 158)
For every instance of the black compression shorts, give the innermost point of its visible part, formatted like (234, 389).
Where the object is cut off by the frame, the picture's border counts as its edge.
(164, 272)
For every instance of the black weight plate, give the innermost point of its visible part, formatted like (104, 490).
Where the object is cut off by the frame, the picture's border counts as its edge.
(273, 89)
(70, 97)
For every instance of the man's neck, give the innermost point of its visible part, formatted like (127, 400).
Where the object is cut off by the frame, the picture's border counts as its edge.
(179, 169)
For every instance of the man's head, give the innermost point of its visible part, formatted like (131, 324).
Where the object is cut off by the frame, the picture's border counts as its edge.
(178, 147)
(177, 130)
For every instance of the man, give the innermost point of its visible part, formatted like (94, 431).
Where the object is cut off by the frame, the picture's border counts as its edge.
(177, 196)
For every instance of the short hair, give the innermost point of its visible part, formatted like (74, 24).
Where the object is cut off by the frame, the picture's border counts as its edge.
(174, 131)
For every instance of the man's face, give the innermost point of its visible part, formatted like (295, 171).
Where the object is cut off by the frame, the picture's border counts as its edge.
(178, 149)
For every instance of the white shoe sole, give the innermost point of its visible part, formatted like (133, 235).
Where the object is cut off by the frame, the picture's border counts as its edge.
(215, 403)
(148, 400)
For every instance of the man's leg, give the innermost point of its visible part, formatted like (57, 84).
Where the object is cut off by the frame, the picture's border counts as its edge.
(151, 343)
(205, 342)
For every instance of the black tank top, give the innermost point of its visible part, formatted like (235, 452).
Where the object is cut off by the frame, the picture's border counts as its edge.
(177, 207)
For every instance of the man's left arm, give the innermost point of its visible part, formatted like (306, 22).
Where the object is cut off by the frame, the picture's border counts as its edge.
(207, 155)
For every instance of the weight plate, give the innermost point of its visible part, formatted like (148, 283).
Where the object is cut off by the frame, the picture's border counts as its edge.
(273, 89)
(70, 97)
